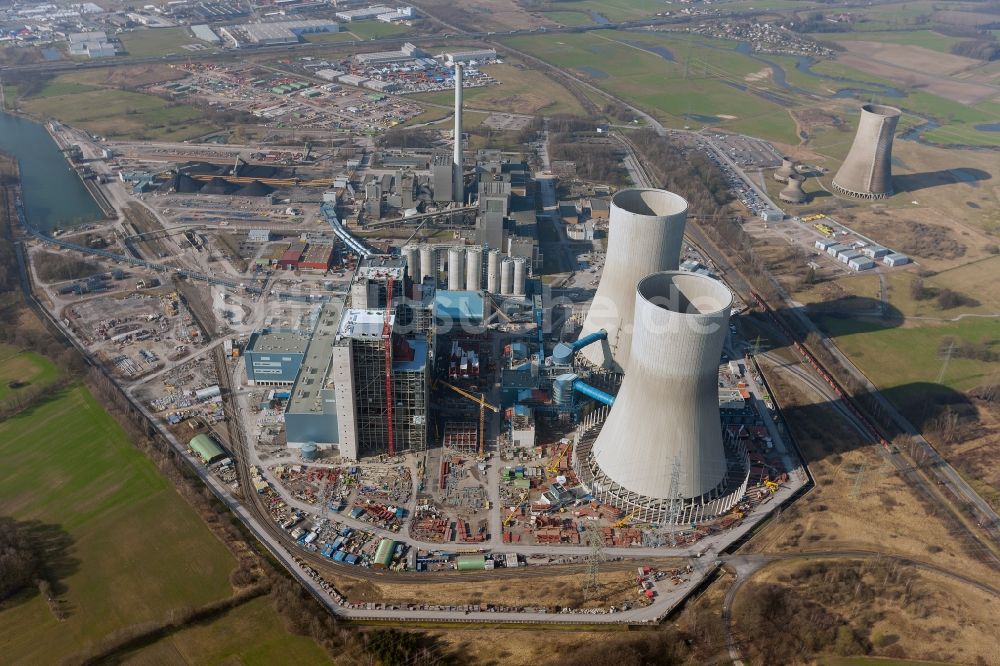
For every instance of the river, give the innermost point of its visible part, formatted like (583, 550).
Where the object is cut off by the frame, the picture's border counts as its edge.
(51, 190)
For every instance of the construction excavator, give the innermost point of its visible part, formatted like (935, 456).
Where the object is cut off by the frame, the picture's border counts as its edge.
(771, 485)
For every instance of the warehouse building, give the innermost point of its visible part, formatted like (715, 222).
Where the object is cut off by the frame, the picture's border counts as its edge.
(478, 55)
(317, 258)
(274, 356)
(91, 44)
(363, 14)
(279, 32)
(207, 448)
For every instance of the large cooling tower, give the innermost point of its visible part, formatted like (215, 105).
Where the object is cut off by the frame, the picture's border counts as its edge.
(662, 439)
(645, 234)
(867, 171)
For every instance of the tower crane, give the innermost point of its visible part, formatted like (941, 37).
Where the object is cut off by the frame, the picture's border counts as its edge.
(483, 406)
(513, 510)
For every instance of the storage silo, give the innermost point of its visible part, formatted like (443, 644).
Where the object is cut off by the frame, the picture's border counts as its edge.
(428, 263)
(645, 235)
(493, 272)
(506, 277)
(520, 276)
(456, 268)
(660, 452)
(474, 269)
(310, 452)
(412, 255)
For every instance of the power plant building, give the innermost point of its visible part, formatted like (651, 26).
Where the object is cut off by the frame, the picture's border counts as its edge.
(867, 171)
(273, 356)
(659, 453)
(645, 235)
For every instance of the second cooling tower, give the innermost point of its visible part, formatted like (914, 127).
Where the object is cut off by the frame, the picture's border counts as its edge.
(661, 447)
(645, 235)
(867, 171)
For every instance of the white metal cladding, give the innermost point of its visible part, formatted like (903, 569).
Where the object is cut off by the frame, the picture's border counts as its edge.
(867, 171)
(666, 414)
(645, 235)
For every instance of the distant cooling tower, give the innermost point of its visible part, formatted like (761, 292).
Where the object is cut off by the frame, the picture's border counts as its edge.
(867, 171)
(786, 169)
(645, 234)
(660, 452)
(792, 192)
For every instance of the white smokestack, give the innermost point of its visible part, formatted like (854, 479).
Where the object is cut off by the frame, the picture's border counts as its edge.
(458, 187)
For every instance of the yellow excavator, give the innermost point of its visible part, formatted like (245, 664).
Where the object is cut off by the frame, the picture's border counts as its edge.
(771, 485)
(621, 523)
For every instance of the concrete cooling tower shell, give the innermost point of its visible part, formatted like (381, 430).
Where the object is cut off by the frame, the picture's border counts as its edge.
(666, 413)
(792, 192)
(786, 169)
(867, 171)
(645, 235)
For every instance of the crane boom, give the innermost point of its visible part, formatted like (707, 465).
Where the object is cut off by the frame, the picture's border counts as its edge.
(483, 406)
(387, 342)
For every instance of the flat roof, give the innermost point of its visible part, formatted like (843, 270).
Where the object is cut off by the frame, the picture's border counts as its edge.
(315, 365)
(360, 324)
(278, 340)
(459, 305)
(419, 357)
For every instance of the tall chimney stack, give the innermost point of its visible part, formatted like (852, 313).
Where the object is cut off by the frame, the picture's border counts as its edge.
(458, 188)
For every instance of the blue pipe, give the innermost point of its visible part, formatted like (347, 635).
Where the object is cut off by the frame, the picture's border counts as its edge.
(589, 339)
(595, 393)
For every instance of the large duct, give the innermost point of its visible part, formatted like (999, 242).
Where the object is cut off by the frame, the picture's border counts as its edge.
(867, 171)
(520, 276)
(506, 277)
(458, 187)
(474, 269)
(645, 235)
(792, 192)
(456, 268)
(493, 272)
(412, 255)
(786, 169)
(428, 263)
(662, 439)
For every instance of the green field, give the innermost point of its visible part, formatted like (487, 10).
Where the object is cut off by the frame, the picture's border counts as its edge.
(329, 37)
(375, 29)
(30, 369)
(925, 38)
(120, 114)
(158, 42)
(569, 18)
(138, 549)
(699, 81)
(251, 634)
(906, 362)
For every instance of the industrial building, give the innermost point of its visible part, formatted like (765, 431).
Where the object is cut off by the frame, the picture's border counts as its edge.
(207, 448)
(273, 356)
(658, 452)
(645, 235)
(478, 55)
(205, 34)
(276, 32)
(364, 13)
(867, 170)
(91, 44)
(408, 51)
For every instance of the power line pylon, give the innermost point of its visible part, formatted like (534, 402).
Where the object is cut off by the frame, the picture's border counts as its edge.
(591, 581)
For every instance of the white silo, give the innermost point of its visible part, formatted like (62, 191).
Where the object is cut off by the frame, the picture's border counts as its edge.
(412, 255)
(474, 269)
(660, 452)
(520, 276)
(645, 235)
(493, 272)
(506, 277)
(428, 263)
(456, 268)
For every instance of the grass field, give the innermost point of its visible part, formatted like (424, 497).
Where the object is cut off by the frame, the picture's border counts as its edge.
(329, 37)
(925, 38)
(569, 18)
(158, 42)
(623, 64)
(140, 549)
(617, 10)
(375, 29)
(120, 114)
(30, 369)
(251, 634)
